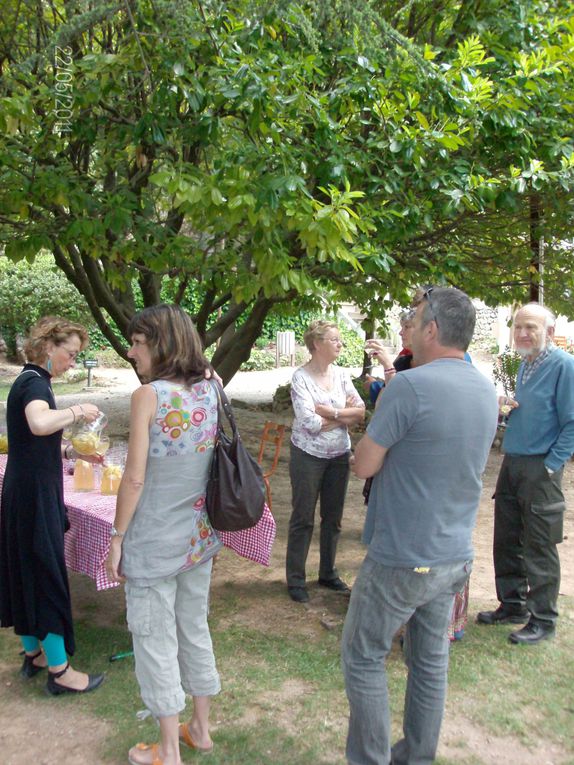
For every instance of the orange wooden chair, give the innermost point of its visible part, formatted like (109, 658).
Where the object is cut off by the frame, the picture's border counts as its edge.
(272, 434)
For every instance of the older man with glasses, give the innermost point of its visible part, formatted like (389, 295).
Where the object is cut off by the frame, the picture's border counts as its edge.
(529, 503)
(426, 448)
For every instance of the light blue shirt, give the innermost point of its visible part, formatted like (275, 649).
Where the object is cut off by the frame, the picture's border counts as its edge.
(544, 421)
(438, 422)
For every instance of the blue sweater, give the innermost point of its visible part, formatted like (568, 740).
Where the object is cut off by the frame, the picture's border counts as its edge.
(544, 421)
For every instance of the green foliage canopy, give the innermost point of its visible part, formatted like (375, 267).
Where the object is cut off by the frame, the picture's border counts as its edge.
(286, 154)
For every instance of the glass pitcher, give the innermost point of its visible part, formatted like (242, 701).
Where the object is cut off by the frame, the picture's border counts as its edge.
(88, 438)
(84, 477)
(113, 469)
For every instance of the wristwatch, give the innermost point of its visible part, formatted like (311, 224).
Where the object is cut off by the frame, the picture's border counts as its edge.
(115, 533)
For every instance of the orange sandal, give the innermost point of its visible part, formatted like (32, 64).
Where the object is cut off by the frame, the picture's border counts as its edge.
(185, 738)
(156, 759)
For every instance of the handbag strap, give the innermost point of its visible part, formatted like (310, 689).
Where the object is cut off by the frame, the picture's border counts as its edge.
(223, 404)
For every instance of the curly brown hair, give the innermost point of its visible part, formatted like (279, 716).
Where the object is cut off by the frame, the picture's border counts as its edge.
(54, 329)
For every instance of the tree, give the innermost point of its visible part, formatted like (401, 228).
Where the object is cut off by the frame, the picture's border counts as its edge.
(28, 292)
(283, 154)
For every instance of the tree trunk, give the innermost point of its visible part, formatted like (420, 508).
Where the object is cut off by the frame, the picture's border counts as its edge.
(235, 348)
(535, 270)
(368, 326)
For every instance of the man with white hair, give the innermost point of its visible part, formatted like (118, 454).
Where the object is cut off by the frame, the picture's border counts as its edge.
(529, 503)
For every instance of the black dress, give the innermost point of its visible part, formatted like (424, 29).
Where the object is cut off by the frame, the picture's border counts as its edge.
(34, 590)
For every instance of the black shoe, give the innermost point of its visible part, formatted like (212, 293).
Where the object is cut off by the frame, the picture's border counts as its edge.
(502, 616)
(532, 633)
(298, 594)
(55, 689)
(29, 669)
(335, 584)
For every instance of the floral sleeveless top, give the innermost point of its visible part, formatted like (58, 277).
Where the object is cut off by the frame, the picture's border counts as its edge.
(170, 530)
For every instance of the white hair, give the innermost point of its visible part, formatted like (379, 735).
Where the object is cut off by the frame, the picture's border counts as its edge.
(549, 317)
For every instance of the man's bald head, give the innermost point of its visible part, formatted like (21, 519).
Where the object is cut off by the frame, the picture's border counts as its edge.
(541, 310)
(533, 329)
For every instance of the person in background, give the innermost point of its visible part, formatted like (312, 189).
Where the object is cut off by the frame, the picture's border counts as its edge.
(377, 350)
(34, 590)
(529, 503)
(427, 450)
(162, 543)
(325, 403)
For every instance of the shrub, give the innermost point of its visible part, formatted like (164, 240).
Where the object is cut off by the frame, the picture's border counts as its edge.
(505, 370)
(259, 361)
(76, 375)
(30, 291)
(352, 353)
(107, 357)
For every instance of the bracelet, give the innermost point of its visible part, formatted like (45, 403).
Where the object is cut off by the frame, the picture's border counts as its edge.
(390, 371)
(73, 414)
(335, 413)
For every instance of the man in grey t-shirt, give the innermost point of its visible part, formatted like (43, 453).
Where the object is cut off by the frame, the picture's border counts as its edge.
(426, 447)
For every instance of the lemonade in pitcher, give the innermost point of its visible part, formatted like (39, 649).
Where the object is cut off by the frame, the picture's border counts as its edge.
(111, 478)
(88, 438)
(84, 478)
(113, 469)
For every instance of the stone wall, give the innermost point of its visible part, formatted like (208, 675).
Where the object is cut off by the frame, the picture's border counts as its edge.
(486, 328)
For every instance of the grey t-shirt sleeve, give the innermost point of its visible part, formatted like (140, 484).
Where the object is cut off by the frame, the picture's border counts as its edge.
(397, 411)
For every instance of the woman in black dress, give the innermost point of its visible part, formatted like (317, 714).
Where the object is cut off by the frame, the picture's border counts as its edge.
(34, 591)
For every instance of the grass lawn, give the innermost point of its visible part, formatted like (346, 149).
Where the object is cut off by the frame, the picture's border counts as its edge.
(283, 700)
(60, 388)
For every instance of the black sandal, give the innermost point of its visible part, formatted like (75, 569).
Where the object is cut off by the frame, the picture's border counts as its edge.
(55, 689)
(29, 669)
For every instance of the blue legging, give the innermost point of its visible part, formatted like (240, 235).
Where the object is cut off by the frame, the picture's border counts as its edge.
(52, 644)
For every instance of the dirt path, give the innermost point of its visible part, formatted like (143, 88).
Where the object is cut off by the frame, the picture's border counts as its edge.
(49, 723)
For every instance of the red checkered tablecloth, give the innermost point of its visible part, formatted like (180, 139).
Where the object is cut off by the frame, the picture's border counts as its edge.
(254, 544)
(91, 516)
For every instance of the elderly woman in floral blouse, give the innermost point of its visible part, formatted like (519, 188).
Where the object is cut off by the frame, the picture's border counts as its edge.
(325, 403)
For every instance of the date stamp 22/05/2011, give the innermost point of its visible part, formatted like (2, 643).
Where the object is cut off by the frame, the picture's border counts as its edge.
(63, 89)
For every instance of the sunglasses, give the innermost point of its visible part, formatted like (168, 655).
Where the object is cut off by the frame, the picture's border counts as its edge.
(427, 295)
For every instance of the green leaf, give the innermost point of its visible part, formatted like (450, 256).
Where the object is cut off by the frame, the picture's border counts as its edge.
(217, 197)
(422, 120)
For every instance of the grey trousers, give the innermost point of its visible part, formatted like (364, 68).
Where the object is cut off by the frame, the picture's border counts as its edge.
(383, 599)
(528, 524)
(314, 478)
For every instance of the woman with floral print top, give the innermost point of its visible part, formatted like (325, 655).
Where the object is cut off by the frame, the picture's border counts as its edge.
(162, 542)
(325, 403)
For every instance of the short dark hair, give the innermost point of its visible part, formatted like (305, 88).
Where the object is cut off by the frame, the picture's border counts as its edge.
(173, 341)
(454, 314)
